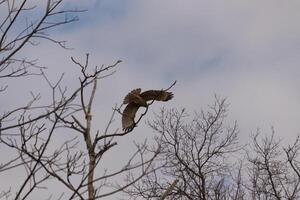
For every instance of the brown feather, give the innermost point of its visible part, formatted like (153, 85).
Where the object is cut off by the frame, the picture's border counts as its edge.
(135, 99)
(129, 115)
(131, 95)
(157, 95)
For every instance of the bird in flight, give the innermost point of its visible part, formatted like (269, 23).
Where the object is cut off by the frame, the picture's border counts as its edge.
(136, 99)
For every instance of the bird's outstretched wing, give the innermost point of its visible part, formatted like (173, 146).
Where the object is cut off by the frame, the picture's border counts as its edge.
(128, 116)
(130, 97)
(135, 99)
(157, 95)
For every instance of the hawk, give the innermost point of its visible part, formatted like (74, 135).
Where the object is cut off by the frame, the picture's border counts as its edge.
(136, 99)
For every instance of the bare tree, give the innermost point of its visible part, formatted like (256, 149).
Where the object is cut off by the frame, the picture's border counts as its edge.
(292, 155)
(32, 132)
(271, 173)
(206, 158)
(20, 26)
(194, 157)
(198, 154)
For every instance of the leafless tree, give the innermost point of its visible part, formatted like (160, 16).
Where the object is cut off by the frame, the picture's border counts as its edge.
(73, 166)
(32, 132)
(198, 154)
(194, 157)
(210, 163)
(25, 23)
(272, 173)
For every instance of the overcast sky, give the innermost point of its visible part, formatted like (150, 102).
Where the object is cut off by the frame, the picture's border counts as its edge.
(247, 51)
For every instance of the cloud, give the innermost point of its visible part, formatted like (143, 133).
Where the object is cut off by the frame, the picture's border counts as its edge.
(235, 49)
(246, 51)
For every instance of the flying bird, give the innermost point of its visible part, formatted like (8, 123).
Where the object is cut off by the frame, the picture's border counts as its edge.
(136, 99)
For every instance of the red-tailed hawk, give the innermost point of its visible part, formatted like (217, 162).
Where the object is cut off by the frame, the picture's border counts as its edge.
(136, 99)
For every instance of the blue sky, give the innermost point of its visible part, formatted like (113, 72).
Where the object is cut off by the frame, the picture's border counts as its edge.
(247, 51)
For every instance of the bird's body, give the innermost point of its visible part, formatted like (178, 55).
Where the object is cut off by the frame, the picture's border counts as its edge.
(136, 99)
